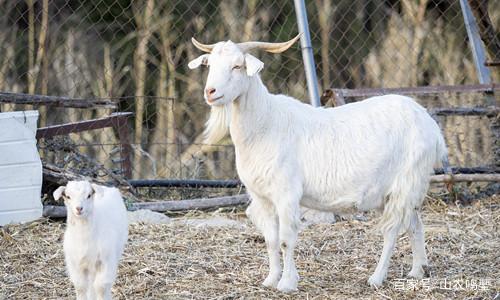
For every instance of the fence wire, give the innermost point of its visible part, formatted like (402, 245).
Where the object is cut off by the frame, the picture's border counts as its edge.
(136, 53)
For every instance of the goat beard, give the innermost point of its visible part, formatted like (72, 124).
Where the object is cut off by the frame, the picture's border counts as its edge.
(217, 125)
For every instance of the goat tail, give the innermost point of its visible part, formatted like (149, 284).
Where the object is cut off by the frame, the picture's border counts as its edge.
(442, 155)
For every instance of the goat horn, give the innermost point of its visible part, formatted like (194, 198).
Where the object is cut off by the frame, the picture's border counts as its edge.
(269, 47)
(202, 47)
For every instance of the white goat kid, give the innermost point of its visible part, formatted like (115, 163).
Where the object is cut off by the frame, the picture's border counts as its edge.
(95, 236)
(373, 154)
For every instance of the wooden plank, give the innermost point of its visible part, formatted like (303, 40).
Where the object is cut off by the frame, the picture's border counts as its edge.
(191, 183)
(202, 203)
(470, 170)
(56, 211)
(121, 126)
(420, 90)
(466, 178)
(23, 99)
(491, 111)
(50, 131)
(59, 176)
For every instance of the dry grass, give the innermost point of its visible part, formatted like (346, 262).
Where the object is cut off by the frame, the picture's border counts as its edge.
(176, 261)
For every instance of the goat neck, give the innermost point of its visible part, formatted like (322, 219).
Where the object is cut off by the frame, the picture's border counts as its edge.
(250, 112)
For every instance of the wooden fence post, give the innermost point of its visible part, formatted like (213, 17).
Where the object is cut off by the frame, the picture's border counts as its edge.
(121, 126)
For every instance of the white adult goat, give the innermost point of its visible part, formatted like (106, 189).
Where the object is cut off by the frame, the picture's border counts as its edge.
(373, 154)
(95, 236)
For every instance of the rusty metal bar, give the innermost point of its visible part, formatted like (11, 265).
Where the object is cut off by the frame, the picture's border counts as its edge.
(50, 131)
(421, 90)
(23, 99)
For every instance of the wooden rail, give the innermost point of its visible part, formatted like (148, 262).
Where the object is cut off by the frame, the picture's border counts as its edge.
(57, 211)
(116, 120)
(490, 111)
(339, 95)
(23, 99)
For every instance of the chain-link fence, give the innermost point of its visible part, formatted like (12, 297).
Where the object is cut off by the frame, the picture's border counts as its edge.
(135, 53)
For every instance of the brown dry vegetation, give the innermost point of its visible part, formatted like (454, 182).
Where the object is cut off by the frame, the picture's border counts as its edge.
(176, 261)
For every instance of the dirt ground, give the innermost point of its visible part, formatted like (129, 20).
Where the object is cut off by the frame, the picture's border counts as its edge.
(182, 261)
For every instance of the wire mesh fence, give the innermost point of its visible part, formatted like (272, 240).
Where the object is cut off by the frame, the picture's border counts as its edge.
(135, 53)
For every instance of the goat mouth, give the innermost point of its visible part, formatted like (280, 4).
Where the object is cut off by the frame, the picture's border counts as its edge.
(211, 101)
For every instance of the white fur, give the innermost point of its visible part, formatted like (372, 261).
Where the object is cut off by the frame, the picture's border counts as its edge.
(95, 237)
(373, 154)
(217, 125)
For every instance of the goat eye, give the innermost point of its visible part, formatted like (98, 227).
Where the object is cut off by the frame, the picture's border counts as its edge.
(236, 67)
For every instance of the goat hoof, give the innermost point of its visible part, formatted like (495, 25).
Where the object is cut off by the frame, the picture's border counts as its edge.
(287, 286)
(271, 280)
(417, 273)
(375, 281)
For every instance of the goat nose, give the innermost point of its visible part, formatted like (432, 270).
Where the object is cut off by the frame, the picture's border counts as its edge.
(79, 209)
(210, 91)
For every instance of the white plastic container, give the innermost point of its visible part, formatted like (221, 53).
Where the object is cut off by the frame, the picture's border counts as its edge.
(20, 168)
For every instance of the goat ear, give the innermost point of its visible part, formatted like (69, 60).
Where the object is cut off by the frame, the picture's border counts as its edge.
(253, 64)
(200, 60)
(58, 192)
(97, 189)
